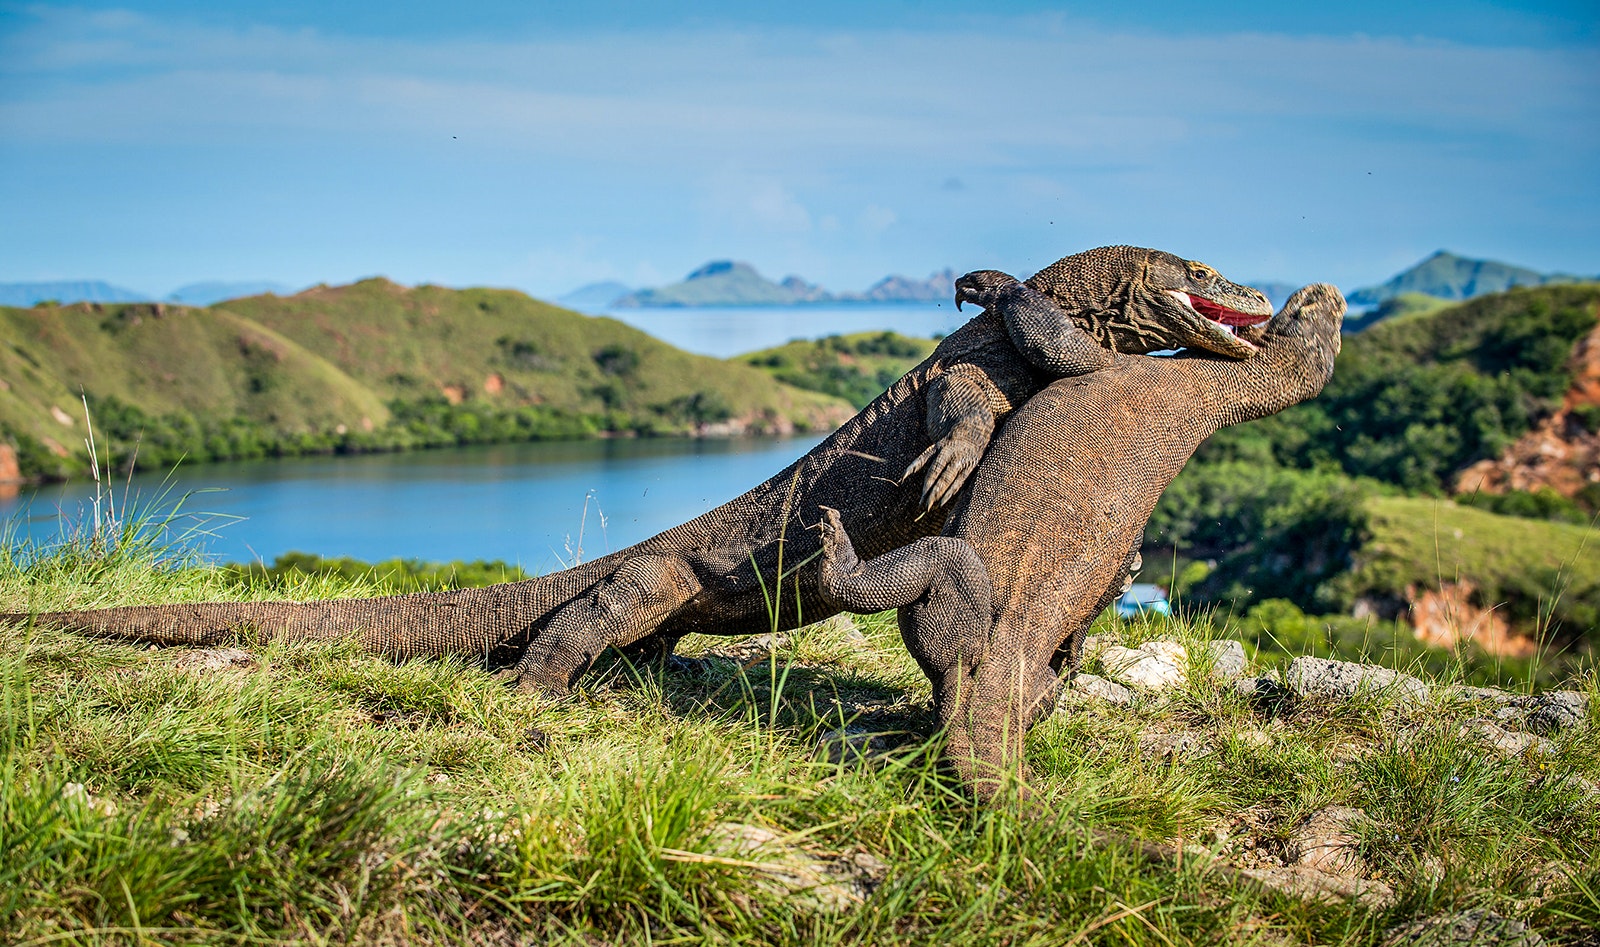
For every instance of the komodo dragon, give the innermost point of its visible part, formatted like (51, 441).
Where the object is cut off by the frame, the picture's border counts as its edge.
(720, 572)
(1047, 531)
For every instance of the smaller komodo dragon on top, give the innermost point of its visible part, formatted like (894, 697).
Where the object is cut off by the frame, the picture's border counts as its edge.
(721, 572)
(1047, 532)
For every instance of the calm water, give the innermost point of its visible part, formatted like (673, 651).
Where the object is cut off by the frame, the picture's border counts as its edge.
(521, 503)
(733, 330)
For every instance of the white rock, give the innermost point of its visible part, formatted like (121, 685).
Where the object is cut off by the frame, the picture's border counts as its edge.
(1508, 742)
(1342, 680)
(1145, 668)
(1327, 840)
(1092, 688)
(1227, 660)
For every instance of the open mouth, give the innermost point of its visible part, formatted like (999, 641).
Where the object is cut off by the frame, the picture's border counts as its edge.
(1217, 312)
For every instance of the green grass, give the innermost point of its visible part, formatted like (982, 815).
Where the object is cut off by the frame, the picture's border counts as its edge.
(327, 795)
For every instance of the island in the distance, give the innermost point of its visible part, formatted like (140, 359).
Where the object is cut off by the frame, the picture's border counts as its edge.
(729, 283)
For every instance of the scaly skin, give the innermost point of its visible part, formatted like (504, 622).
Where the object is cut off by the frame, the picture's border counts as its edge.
(718, 573)
(1044, 536)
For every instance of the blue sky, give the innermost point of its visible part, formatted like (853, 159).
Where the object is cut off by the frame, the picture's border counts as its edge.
(543, 146)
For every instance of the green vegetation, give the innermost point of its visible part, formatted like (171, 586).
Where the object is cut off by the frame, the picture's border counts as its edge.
(371, 366)
(392, 576)
(1314, 491)
(855, 367)
(1413, 401)
(1397, 307)
(325, 795)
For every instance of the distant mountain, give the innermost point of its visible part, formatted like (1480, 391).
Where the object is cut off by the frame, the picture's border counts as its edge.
(594, 295)
(68, 291)
(940, 287)
(209, 293)
(723, 283)
(1448, 276)
(729, 283)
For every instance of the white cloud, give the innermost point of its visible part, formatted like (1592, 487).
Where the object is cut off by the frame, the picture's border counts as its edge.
(1207, 141)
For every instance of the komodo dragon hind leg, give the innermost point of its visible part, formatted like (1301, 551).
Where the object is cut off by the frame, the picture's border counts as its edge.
(939, 585)
(618, 611)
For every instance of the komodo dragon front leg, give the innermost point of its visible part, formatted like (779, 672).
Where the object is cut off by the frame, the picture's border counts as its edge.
(965, 402)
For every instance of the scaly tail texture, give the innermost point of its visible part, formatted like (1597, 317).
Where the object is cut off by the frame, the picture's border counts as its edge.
(468, 622)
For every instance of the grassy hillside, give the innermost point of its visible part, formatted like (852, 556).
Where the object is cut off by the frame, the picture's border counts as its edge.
(1544, 572)
(1405, 304)
(369, 366)
(317, 794)
(856, 367)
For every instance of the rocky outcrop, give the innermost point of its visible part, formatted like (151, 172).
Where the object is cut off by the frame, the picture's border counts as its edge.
(1563, 452)
(1446, 618)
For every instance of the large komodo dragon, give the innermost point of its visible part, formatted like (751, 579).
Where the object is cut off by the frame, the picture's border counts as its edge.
(719, 573)
(1047, 531)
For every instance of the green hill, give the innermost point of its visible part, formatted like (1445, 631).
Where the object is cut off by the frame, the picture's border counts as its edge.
(1448, 276)
(368, 366)
(856, 367)
(1395, 307)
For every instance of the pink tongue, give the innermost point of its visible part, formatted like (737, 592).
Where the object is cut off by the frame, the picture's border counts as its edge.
(1222, 314)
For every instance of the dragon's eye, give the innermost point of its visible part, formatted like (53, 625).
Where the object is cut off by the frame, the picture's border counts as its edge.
(1201, 274)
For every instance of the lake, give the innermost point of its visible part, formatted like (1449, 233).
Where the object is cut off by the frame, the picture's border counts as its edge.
(522, 503)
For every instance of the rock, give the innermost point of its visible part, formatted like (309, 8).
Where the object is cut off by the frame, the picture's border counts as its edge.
(1554, 711)
(853, 744)
(1253, 739)
(1507, 742)
(1327, 840)
(1302, 881)
(1093, 645)
(1488, 695)
(844, 626)
(1170, 651)
(1146, 668)
(1227, 660)
(1478, 927)
(214, 659)
(1154, 745)
(1343, 680)
(1092, 688)
(824, 883)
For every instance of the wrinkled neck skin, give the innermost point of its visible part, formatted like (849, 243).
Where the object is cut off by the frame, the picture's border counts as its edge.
(1099, 289)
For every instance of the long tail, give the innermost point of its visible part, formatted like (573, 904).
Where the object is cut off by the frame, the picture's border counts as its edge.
(468, 622)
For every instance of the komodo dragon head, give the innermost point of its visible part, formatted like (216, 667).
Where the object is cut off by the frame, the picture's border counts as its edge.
(1138, 300)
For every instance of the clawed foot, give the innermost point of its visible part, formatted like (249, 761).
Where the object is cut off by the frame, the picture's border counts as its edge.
(949, 463)
(527, 682)
(838, 554)
(982, 287)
